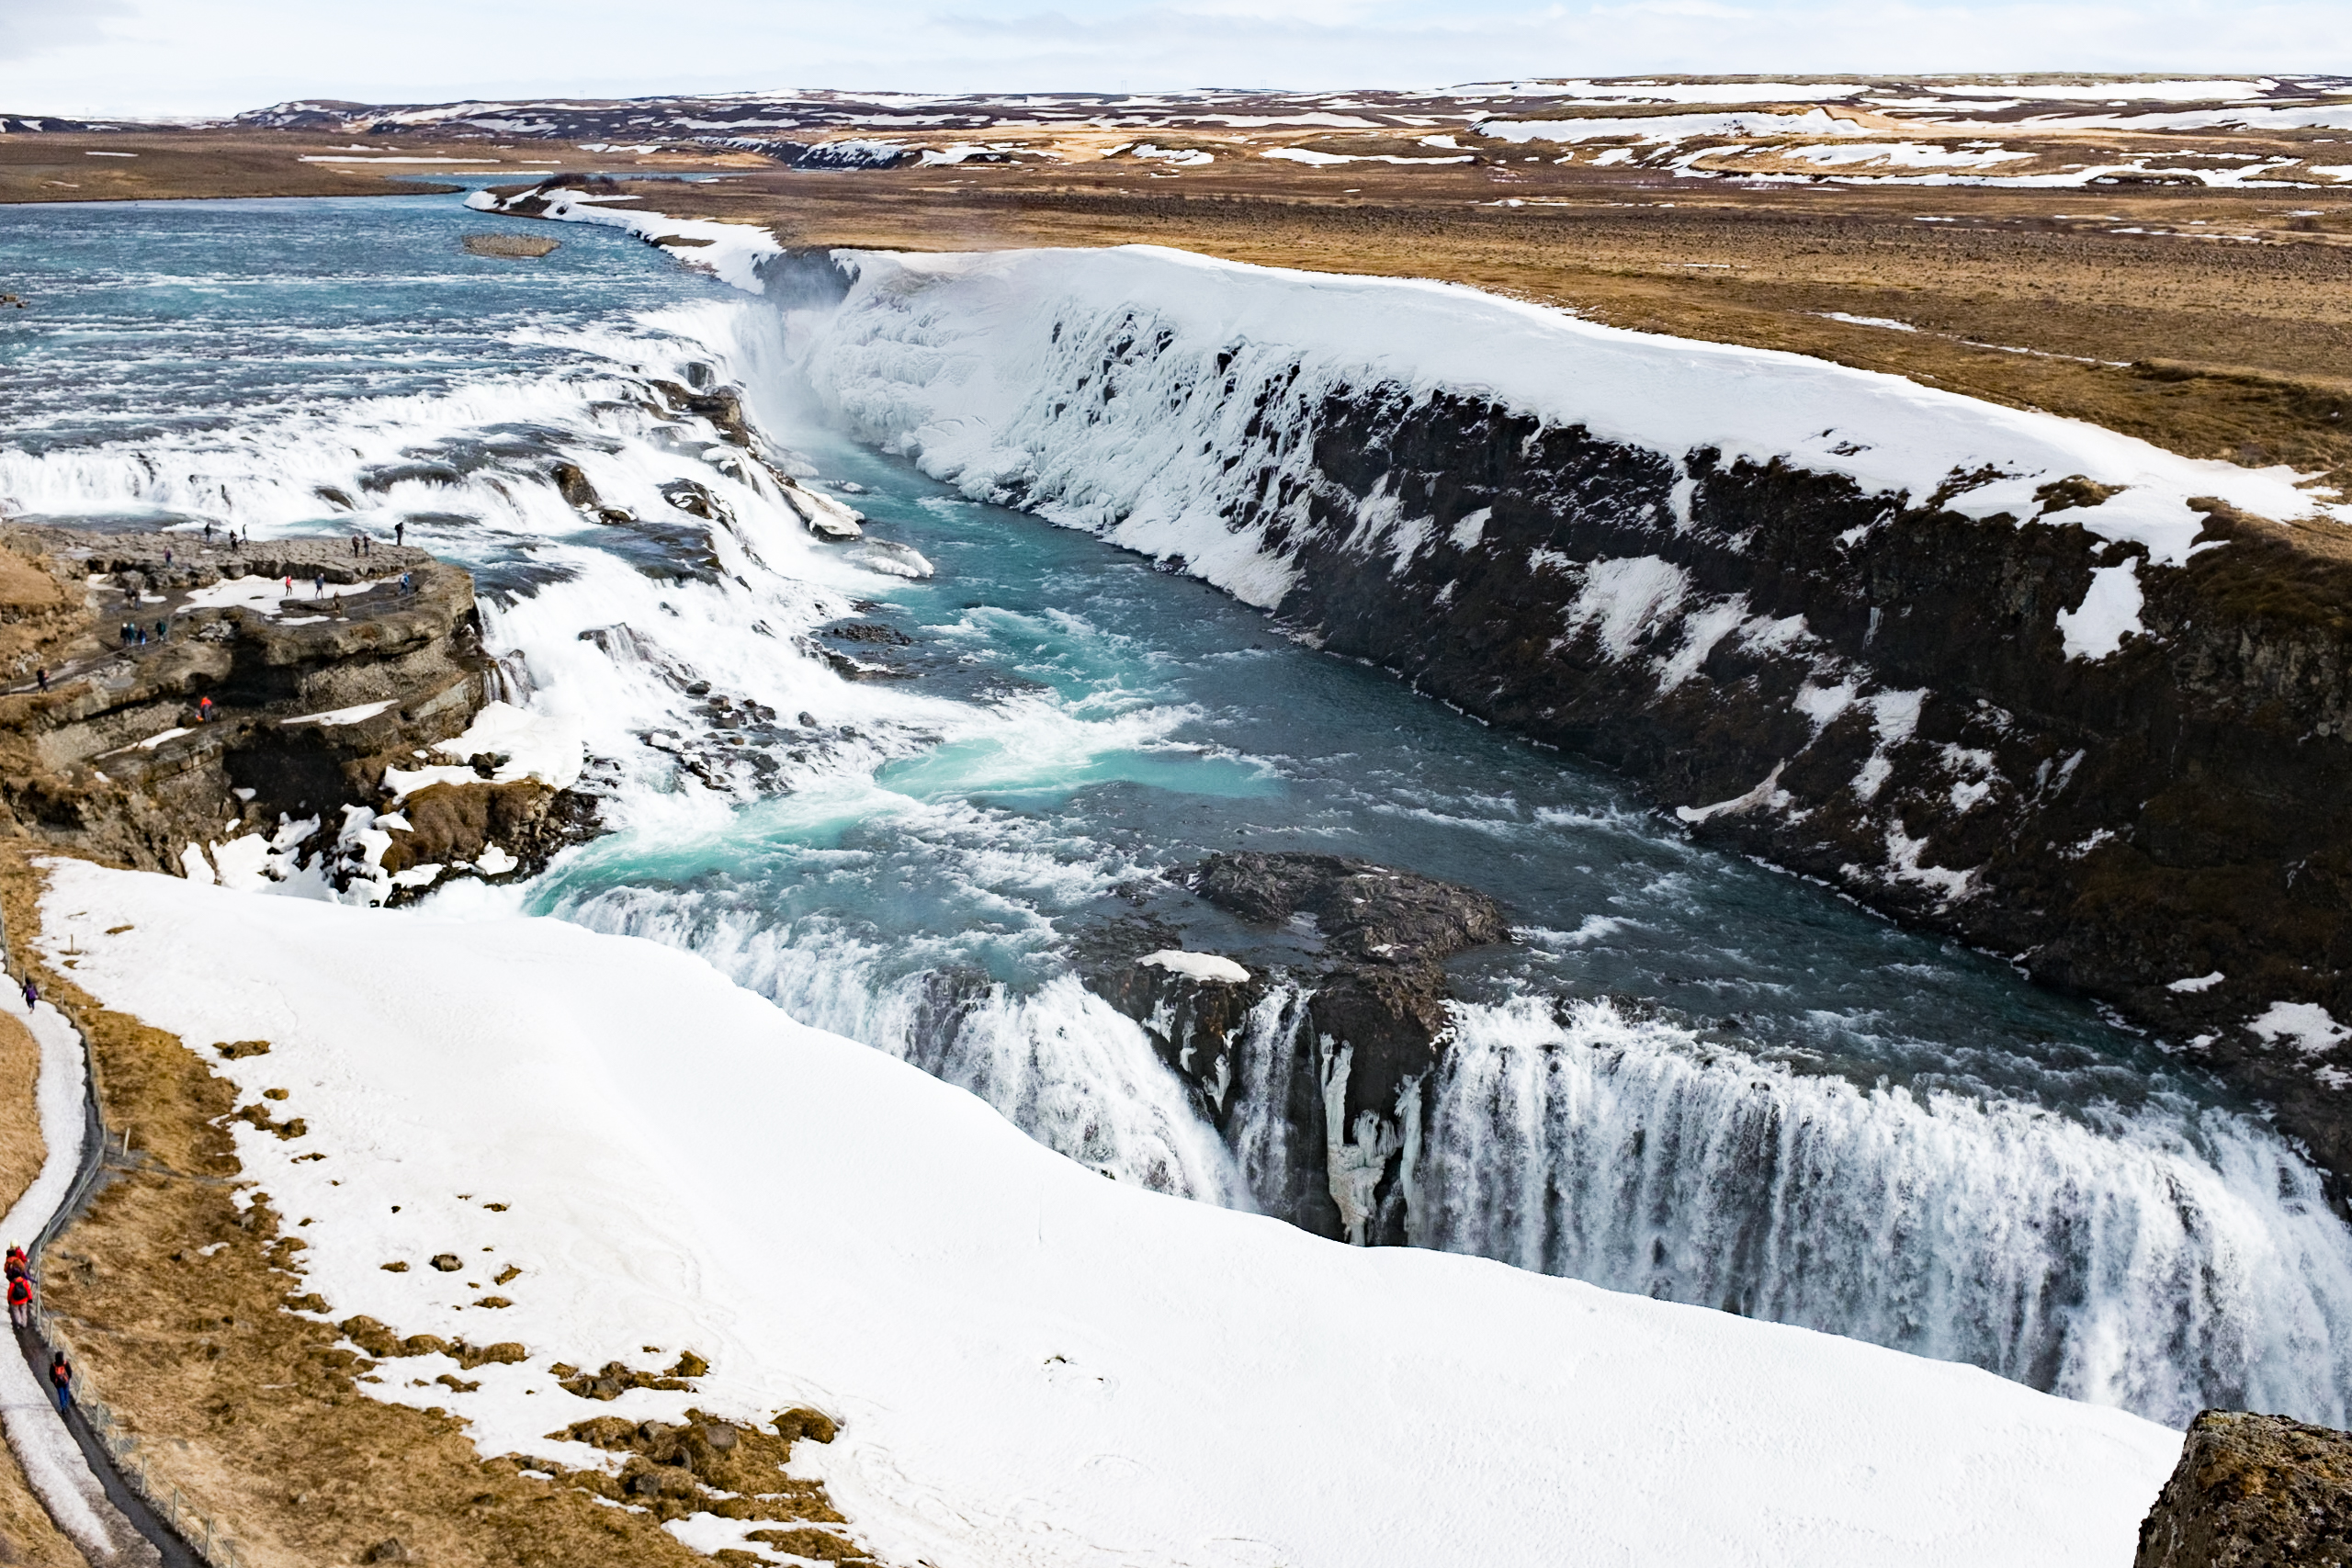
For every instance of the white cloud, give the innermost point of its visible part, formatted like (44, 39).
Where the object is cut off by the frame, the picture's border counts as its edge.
(31, 28)
(207, 56)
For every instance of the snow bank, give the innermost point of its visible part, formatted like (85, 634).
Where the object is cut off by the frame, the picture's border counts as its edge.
(1033, 1366)
(1197, 965)
(545, 747)
(733, 250)
(1112, 389)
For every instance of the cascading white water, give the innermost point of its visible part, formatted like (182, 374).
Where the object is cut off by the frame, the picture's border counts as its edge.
(1058, 1061)
(2157, 1260)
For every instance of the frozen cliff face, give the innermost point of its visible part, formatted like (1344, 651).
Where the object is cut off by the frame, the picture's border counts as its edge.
(2017, 677)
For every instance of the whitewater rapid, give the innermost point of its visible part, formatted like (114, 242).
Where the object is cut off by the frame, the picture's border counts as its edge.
(915, 869)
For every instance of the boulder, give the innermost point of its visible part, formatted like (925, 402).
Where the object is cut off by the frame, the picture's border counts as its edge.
(2254, 1491)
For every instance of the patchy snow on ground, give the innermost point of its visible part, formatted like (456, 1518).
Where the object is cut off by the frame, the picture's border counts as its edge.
(545, 747)
(2308, 1026)
(1033, 1366)
(1676, 127)
(1901, 155)
(2110, 612)
(1197, 965)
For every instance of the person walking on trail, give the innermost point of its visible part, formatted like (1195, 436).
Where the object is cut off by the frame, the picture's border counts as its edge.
(204, 710)
(318, 586)
(20, 1301)
(60, 1377)
(32, 994)
(41, 676)
(17, 1262)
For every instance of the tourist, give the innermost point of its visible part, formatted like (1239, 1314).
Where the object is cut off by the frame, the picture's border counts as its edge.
(163, 629)
(61, 1377)
(41, 676)
(400, 533)
(20, 1301)
(204, 710)
(32, 994)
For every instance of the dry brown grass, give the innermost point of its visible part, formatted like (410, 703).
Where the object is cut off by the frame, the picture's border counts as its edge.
(21, 1150)
(252, 1411)
(26, 1534)
(58, 165)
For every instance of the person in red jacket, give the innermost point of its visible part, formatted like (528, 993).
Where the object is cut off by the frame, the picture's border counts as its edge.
(60, 1377)
(20, 1301)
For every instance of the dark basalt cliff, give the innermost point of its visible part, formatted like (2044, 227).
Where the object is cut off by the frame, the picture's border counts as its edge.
(1878, 693)
(1361, 1028)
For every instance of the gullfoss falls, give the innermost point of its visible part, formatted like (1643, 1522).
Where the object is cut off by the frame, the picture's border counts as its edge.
(918, 785)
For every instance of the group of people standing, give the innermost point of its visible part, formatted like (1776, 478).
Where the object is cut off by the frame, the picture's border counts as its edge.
(20, 1314)
(21, 1288)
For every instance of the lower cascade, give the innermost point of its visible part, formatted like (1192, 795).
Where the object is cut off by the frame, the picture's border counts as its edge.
(2162, 1264)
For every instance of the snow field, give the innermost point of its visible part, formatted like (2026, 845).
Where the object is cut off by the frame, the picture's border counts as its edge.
(1032, 1365)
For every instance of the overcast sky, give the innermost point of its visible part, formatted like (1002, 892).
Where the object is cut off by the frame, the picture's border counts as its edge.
(196, 57)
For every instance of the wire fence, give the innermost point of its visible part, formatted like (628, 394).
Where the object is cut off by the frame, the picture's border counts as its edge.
(204, 1535)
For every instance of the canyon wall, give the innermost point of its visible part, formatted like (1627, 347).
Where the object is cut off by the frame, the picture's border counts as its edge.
(2058, 694)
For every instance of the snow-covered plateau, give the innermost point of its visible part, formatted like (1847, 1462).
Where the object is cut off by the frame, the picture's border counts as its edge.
(1031, 1365)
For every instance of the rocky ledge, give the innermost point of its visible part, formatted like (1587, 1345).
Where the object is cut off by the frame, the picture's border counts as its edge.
(2254, 1491)
(173, 695)
(1347, 1039)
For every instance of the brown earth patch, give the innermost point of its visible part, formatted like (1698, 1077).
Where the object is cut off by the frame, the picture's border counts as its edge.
(517, 247)
(254, 1412)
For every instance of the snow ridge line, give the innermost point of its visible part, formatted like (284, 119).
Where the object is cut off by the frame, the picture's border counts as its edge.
(60, 1470)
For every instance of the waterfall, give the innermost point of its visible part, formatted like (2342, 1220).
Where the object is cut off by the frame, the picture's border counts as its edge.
(2163, 1260)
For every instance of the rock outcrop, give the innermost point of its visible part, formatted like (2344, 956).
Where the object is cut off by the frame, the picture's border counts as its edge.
(182, 694)
(1336, 1048)
(2254, 1491)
